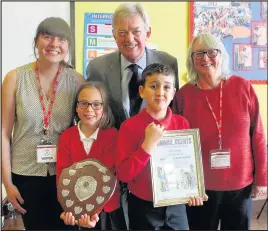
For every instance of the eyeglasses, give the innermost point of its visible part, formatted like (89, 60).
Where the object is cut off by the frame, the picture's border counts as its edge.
(85, 105)
(200, 54)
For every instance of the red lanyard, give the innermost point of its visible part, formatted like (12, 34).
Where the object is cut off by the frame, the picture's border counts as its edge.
(218, 120)
(46, 116)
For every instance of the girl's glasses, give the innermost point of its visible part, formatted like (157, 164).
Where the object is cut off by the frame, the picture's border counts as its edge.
(85, 105)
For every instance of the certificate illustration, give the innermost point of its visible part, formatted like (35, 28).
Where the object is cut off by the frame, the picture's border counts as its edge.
(176, 168)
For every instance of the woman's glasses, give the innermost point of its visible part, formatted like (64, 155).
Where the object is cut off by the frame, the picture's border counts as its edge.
(85, 105)
(210, 53)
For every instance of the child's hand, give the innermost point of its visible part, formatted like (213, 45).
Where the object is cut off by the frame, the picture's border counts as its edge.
(68, 218)
(153, 133)
(87, 221)
(197, 201)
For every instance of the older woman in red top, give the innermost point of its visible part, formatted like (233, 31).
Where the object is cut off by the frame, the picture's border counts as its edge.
(226, 110)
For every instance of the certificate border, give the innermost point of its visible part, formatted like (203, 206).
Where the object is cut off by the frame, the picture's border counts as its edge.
(199, 169)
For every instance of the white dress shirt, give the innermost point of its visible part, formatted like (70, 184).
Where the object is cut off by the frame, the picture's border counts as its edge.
(87, 141)
(126, 77)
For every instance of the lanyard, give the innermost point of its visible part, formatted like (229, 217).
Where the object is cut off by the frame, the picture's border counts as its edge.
(218, 120)
(46, 116)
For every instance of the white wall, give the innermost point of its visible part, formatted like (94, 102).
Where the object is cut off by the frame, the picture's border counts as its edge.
(19, 23)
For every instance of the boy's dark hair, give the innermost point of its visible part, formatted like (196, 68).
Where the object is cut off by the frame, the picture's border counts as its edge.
(156, 68)
(107, 119)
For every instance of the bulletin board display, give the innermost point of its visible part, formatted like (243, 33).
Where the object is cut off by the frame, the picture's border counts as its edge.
(98, 36)
(242, 26)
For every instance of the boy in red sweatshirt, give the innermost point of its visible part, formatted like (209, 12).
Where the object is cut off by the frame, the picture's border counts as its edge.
(137, 138)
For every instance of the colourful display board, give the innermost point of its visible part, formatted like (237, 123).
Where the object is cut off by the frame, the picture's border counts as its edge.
(242, 26)
(98, 37)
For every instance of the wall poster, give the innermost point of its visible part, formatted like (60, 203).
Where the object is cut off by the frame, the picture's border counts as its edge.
(98, 36)
(242, 26)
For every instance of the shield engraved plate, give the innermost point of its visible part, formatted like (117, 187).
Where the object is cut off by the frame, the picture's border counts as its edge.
(85, 187)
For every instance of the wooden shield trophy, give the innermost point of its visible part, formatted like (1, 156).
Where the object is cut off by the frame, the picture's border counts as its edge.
(85, 187)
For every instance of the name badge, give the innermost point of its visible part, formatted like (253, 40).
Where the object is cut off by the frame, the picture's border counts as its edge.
(220, 159)
(46, 153)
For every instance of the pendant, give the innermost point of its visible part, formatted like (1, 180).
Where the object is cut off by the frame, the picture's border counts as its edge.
(45, 130)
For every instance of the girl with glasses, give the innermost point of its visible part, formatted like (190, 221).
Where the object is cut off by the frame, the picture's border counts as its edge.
(93, 137)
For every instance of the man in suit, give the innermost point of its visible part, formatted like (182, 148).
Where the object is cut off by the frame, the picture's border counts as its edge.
(131, 30)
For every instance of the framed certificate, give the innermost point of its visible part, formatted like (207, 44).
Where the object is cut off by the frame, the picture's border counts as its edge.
(176, 168)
